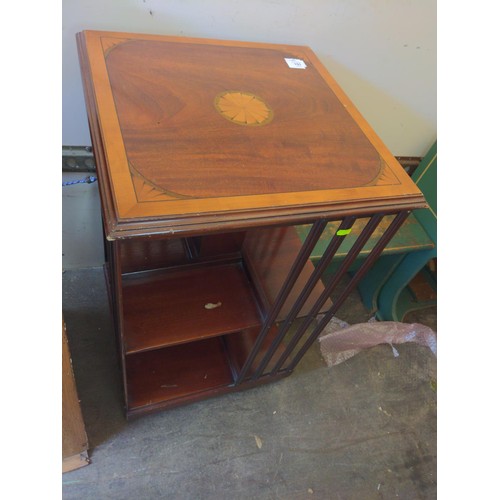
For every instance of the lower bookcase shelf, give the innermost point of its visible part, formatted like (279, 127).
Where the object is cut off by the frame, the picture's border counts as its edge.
(171, 376)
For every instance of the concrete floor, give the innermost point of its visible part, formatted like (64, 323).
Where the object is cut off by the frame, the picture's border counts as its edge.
(363, 429)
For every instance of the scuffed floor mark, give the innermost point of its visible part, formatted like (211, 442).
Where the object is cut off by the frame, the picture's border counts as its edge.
(384, 412)
(258, 441)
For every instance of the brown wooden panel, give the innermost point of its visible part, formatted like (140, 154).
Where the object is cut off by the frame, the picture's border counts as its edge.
(74, 437)
(176, 372)
(141, 255)
(171, 307)
(219, 244)
(269, 255)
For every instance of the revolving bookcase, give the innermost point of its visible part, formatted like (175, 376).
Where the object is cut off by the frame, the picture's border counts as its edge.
(209, 153)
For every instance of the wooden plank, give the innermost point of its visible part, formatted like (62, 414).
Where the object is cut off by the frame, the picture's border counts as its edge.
(176, 372)
(142, 255)
(74, 437)
(75, 462)
(180, 306)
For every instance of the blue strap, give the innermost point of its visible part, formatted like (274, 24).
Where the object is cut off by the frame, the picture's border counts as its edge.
(87, 180)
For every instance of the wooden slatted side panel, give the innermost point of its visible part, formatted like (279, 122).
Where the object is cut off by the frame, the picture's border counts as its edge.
(269, 255)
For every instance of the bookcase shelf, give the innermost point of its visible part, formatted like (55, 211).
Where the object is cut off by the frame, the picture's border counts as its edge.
(184, 305)
(167, 376)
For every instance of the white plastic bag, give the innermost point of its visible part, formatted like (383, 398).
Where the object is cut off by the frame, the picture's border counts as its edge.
(341, 341)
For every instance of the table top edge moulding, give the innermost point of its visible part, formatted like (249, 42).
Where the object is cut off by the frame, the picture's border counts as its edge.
(188, 141)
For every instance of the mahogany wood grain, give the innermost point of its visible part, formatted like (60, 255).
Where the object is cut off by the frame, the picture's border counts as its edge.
(219, 244)
(142, 255)
(176, 372)
(269, 255)
(179, 375)
(170, 308)
(165, 107)
(138, 255)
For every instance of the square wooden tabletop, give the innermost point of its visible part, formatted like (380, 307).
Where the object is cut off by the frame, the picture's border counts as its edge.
(197, 135)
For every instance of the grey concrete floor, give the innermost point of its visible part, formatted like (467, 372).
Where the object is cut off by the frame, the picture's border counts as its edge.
(363, 429)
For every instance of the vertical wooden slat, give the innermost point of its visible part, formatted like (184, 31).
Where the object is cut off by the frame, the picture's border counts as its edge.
(310, 242)
(374, 254)
(306, 291)
(344, 267)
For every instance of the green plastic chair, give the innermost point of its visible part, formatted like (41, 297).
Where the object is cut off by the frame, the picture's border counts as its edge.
(391, 277)
(409, 251)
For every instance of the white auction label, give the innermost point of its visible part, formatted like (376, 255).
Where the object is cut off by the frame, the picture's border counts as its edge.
(295, 63)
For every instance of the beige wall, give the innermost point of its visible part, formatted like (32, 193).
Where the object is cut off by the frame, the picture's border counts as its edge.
(382, 52)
